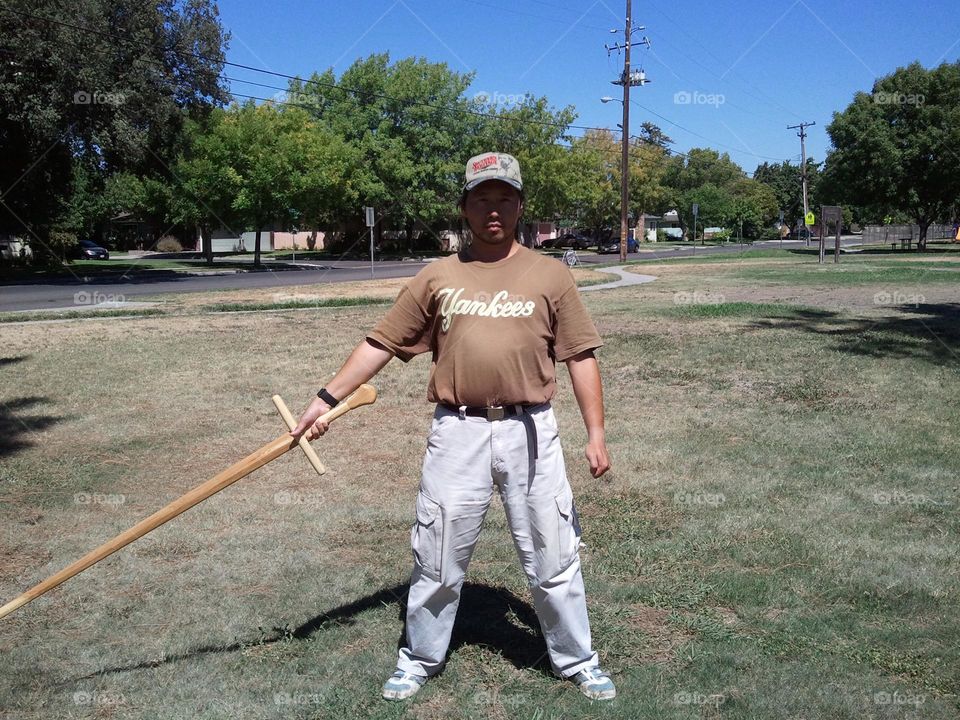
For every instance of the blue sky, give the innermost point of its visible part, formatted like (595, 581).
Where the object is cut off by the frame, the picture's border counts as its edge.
(730, 76)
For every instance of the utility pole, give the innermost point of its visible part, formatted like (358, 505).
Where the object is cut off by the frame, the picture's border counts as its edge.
(627, 80)
(803, 166)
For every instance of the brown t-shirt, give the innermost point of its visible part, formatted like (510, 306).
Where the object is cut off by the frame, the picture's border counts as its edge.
(496, 329)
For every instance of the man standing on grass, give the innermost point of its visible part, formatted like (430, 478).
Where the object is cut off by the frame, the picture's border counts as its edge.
(496, 318)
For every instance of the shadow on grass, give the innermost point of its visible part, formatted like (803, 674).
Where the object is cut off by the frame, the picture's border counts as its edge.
(925, 332)
(14, 425)
(488, 616)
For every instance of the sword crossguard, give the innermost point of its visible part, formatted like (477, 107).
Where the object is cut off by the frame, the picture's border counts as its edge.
(304, 443)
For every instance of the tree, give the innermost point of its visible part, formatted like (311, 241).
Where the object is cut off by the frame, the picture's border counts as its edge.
(898, 147)
(108, 86)
(754, 207)
(407, 123)
(704, 174)
(531, 131)
(785, 181)
(648, 167)
(595, 198)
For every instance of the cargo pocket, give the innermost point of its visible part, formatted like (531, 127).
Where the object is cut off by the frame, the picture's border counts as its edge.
(427, 537)
(568, 529)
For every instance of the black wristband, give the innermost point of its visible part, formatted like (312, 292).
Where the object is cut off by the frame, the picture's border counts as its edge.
(327, 398)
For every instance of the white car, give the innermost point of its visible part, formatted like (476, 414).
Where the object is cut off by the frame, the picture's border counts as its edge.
(13, 248)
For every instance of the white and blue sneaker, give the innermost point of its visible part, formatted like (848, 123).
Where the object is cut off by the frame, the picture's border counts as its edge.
(595, 684)
(402, 685)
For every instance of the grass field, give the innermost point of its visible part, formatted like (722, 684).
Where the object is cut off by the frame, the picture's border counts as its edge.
(778, 537)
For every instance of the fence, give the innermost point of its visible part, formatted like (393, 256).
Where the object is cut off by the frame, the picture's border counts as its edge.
(879, 234)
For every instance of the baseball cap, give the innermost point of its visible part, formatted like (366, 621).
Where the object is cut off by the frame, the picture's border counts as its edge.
(492, 166)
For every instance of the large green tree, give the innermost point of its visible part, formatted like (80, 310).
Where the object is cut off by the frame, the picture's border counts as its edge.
(409, 124)
(105, 84)
(897, 148)
(251, 167)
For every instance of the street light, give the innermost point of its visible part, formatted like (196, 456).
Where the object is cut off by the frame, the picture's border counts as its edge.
(607, 98)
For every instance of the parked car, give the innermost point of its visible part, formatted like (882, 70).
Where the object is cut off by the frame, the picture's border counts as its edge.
(89, 250)
(612, 245)
(575, 240)
(13, 248)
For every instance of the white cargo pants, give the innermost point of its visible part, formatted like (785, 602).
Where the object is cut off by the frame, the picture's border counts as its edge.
(466, 457)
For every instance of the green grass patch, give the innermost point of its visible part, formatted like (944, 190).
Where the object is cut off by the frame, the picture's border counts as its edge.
(14, 317)
(742, 310)
(296, 304)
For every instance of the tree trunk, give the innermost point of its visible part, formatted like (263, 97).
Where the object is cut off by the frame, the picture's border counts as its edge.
(408, 230)
(206, 239)
(256, 249)
(922, 240)
(312, 240)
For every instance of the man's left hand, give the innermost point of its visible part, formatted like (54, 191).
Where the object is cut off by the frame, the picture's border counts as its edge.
(598, 457)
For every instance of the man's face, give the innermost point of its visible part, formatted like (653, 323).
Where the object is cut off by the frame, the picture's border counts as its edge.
(492, 210)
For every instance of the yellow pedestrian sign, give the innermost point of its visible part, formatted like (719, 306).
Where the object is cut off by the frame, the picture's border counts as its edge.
(809, 219)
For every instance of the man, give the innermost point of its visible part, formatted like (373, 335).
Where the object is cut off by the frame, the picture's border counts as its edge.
(496, 317)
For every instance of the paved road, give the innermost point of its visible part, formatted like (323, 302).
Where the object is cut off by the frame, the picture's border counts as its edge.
(66, 292)
(63, 292)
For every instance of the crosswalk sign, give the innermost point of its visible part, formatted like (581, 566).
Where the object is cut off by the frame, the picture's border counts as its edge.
(809, 219)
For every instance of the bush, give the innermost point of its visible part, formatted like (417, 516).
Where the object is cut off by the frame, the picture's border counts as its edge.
(770, 233)
(168, 243)
(662, 235)
(61, 243)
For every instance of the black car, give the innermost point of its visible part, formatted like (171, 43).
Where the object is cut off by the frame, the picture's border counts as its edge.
(612, 245)
(89, 250)
(575, 240)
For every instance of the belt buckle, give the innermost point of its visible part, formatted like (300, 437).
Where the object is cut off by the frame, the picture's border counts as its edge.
(495, 413)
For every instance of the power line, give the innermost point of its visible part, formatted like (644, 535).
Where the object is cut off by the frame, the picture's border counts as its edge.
(336, 86)
(703, 137)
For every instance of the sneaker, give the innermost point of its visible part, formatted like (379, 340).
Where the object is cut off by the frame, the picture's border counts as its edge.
(595, 684)
(402, 685)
